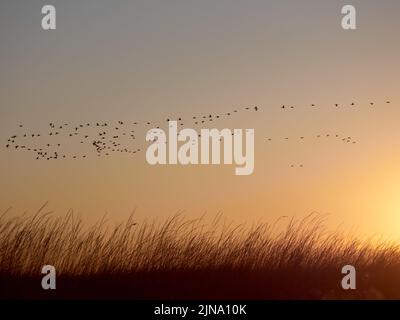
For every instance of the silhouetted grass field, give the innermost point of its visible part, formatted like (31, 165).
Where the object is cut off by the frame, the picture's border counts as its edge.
(190, 259)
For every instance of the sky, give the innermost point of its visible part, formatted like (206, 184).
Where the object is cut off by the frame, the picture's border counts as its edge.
(145, 61)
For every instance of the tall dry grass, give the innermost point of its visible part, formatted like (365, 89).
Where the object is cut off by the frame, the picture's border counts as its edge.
(29, 242)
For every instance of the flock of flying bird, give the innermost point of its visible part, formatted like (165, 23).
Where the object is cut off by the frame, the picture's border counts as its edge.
(337, 105)
(107, 138)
